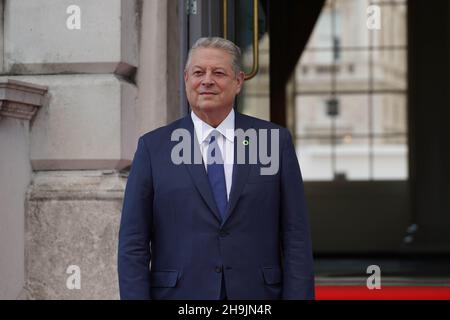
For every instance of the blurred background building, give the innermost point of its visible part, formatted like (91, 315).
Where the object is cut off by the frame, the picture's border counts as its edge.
(363, 86)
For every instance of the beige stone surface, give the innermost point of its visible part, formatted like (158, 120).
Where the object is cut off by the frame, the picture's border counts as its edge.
(37, 39)
(87, 122)
(15, 175)
(72, 218)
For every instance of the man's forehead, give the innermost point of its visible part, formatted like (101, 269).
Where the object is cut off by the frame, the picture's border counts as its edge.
(202, 57)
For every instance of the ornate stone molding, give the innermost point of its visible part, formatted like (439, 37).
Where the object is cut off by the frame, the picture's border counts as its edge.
(20, 100)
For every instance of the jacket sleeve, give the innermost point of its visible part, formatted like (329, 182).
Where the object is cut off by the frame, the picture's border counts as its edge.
(134, 253)
(298, 274)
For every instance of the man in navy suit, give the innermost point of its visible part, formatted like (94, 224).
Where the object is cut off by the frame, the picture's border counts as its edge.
(201, 218)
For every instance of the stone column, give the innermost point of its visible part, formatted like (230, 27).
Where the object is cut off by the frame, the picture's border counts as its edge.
(19, 102)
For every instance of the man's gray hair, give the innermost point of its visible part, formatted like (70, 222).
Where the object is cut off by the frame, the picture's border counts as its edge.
(218, 43)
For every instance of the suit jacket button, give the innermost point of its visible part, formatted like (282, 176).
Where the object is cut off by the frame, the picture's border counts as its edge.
(218, 269)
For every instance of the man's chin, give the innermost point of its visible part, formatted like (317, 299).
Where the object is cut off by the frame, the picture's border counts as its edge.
(209, 107)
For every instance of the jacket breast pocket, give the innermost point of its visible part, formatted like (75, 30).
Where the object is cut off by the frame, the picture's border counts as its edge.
(164, 279)
(272, 275)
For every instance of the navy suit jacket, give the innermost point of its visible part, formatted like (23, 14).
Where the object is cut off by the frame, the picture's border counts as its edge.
(173, 243)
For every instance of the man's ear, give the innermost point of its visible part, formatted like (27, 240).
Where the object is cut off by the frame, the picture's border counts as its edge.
(240, 78)
(185, 76)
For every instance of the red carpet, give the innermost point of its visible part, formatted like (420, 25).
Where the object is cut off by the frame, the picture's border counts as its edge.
(385, 293)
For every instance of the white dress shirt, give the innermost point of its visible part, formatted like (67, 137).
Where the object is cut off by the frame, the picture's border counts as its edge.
(225, 141)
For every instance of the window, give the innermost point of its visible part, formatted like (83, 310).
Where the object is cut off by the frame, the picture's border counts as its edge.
(351, 93)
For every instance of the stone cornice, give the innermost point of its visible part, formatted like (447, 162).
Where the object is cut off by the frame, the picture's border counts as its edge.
(20, 100)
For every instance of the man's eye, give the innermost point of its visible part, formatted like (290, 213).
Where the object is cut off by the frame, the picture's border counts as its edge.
(218, 73)
(198, 73)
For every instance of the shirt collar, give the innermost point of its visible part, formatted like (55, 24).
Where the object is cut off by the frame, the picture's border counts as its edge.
(203, 130)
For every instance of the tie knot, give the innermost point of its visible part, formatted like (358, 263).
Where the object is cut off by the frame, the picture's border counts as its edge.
(214, 136)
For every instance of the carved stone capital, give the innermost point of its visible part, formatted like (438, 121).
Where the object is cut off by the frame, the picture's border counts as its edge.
(20, 100)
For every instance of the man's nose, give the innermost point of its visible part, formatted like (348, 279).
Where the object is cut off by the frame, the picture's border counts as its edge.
(207, 79)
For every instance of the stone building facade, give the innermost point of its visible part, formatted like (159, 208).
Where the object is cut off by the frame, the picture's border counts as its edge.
(80, 81)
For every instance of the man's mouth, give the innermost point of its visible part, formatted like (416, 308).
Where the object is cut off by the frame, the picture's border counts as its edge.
(207, 93)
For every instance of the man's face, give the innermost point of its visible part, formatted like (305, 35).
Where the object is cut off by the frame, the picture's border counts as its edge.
(211, 84)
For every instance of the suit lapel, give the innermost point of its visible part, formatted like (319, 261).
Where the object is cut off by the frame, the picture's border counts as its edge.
(197, 171)
(240, 171)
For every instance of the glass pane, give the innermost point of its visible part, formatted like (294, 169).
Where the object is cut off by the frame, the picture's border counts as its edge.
(390, 159)
(312, 120)
(254, 98)
(388, 2)
(352, 72)
(315, 159)
(353, 19)
(341, 23)
(314, 71)
(325, 28)
(352, 159)
(389, 69)
(392, 32)
(353, 116)
(389, 115)
(313, 131)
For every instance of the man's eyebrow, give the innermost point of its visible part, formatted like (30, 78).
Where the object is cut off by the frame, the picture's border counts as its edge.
(214, 68)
